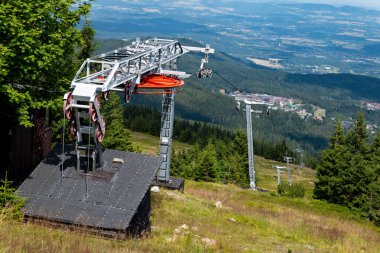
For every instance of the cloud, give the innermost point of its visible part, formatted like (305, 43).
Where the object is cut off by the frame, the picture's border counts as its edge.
(112, 7)
(151, 10)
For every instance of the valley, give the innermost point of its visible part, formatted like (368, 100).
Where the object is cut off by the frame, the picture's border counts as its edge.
(308, 38)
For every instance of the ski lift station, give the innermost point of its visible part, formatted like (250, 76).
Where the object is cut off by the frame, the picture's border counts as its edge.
(107, 191)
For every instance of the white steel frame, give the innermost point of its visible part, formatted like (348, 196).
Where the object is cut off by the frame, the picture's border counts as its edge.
(112, 71)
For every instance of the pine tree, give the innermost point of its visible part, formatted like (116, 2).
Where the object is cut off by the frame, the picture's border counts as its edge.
(238, 160)
(206, 165)
(348, 172)
(338, 136)
(359, 174)
(375, 151)
(357, 138)
(117, 136)
(331, 168)
(374, 205)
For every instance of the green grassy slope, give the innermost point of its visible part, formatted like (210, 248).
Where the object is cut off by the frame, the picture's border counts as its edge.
(247, 221)
(148, 144)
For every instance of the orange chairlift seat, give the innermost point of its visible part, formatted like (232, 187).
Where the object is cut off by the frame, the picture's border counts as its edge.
(166, 84)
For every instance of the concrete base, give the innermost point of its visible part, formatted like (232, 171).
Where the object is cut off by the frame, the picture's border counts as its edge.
(173, 184)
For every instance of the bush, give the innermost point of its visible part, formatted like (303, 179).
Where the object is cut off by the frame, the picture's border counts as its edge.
(10, 203)
(282, 188)
(296, 190)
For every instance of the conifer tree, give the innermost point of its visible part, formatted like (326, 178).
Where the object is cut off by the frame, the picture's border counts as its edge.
(360, 173)
(374, 205)
(117, 136)
(348, 172)
(206, 165)
(357, 138)
(238, 159)
(331, 168)
(375, 151)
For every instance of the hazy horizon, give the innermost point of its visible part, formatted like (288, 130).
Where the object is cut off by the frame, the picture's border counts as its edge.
(374, 4)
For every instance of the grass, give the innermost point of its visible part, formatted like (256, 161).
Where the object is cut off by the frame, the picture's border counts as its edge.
(149, 144)
(248, 222)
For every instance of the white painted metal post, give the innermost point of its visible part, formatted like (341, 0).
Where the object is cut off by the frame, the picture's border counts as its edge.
(251, 163)
(278, 176)
(288, 168)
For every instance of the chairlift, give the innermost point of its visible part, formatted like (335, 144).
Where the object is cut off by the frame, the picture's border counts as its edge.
(204, 73)
(238, 105)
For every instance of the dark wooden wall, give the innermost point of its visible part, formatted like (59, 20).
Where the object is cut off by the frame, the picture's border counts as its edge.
(28, 146)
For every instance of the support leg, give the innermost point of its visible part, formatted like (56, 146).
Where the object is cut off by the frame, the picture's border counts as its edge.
(166, 134)
(251, 164)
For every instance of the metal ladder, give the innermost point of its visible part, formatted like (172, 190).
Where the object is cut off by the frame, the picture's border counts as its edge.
(167, 121)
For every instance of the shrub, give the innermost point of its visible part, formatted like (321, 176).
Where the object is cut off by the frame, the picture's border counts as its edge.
(296, 190)
(282, 188)
(10, 203)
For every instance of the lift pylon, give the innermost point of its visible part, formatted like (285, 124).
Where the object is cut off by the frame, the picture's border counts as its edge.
(248, 116)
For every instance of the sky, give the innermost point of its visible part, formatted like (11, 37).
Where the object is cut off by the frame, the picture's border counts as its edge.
(360, 3)
(369, 4)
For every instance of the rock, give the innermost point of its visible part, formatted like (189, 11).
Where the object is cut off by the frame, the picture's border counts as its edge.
(232, 219)
(218, 204)
(155, 189)
(118, 160)
(195, 229)
(208, 241)
(309, 247)
(184, 227)
(171, 239)
(155, 228)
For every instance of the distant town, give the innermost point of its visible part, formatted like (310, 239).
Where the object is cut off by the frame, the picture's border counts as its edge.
(348, 122)
(304, 111)
(371, 106)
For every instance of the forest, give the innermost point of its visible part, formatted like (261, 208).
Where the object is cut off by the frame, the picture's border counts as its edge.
(349, 171)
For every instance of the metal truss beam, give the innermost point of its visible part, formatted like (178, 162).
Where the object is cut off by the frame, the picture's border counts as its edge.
(115, 68)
